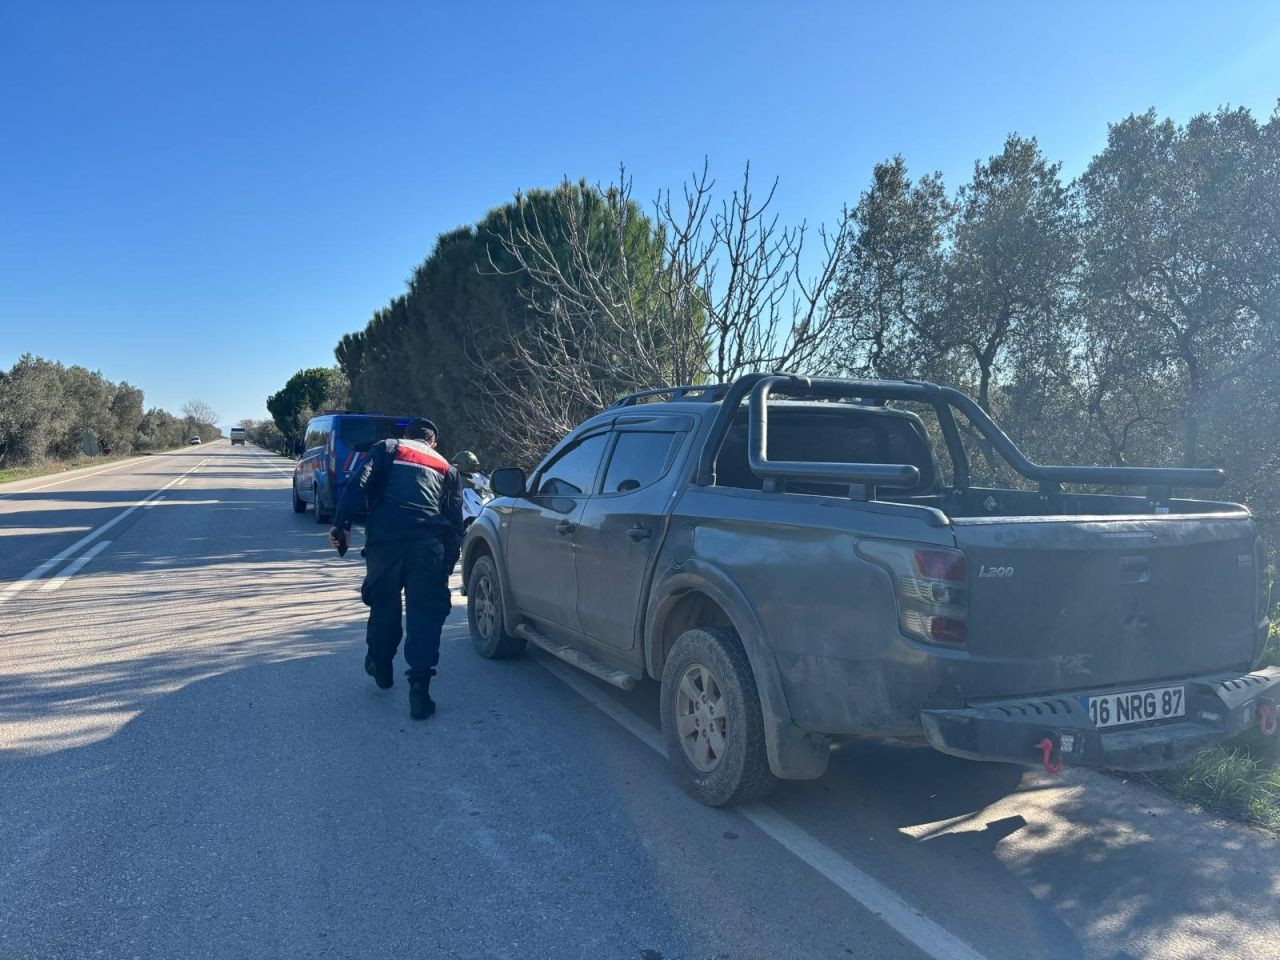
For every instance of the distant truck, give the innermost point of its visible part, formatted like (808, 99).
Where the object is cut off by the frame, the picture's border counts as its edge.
(796, 571)
(237, 436)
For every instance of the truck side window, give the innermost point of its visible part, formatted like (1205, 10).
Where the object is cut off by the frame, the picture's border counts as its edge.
(638, 460)
(574, 471)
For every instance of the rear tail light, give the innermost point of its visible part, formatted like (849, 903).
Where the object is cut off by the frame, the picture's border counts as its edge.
(932, 585)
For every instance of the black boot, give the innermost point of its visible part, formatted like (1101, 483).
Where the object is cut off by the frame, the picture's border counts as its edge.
(421, 705)
(381, 672)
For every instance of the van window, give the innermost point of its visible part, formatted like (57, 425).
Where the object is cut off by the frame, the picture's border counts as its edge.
(638, 460)
(318, 433)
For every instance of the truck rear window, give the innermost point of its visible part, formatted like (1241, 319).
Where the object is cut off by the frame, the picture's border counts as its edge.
(831, 434)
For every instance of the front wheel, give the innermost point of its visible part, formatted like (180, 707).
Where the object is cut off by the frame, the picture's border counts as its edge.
(711, 719)
(299, 505)
(484, 614)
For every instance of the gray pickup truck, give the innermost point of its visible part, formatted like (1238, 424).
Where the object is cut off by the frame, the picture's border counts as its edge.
(802, 560)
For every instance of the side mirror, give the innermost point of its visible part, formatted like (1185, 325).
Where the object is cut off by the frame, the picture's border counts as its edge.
(508, 482)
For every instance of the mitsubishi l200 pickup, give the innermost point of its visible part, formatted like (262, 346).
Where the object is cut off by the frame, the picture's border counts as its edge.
(801, 560)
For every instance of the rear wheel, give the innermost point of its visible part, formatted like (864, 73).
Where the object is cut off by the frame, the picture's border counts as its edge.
(711, 719)
(484, 614)
(321, 515)
(299, 505)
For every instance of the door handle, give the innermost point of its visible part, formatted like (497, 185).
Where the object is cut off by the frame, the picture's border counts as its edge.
(638, 533)
(564, 528)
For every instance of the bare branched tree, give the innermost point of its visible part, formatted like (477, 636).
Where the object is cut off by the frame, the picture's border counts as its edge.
(764, 306)
(199, 413)
(697, 292)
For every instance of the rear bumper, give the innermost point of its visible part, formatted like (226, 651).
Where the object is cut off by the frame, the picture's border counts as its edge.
(1218, 706)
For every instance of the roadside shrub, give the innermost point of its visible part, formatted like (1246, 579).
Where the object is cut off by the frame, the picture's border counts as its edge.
(1231, 781)
(265, 434)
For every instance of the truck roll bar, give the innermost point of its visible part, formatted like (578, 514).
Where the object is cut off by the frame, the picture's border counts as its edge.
(1120, 476)
(760, 386)
(869, 474)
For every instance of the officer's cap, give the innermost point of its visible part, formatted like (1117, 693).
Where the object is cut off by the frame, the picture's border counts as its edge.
(422, 423)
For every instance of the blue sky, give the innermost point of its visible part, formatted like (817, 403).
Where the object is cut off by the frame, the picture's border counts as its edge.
(201, 197)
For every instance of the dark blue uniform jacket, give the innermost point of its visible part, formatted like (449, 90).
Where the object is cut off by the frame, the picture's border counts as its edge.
(410, 492)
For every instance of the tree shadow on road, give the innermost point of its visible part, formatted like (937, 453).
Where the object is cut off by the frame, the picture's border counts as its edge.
(81, 660)
(1016, 863)
(1082, 865)
(32, 535)
(275, 804)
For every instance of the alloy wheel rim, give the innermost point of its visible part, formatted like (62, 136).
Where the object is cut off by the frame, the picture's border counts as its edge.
(485, 607)
(701, 720)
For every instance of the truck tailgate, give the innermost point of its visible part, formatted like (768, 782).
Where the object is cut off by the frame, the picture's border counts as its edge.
(1071, 603)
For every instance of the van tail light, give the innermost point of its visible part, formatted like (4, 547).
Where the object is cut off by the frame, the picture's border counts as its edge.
(932, 586)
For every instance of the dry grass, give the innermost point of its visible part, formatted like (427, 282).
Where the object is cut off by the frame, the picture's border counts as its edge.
(1229, 780)
(1239, 778)
(48, 467)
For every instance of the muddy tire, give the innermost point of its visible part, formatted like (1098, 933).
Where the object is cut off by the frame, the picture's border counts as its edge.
(484, 614)
(711, 719)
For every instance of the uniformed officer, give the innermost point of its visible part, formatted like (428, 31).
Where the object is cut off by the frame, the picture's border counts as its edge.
(466, 462)
(414, 502)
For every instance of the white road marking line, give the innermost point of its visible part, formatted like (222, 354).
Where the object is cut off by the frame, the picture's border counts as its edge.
(84, 473)
(906, 919)
(13, 589)
(181, 482)
(267, 457)
(153, 502)
(913, 925)
(74, 567)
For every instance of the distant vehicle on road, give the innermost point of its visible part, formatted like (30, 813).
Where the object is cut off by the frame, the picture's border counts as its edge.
(328, 453)
(797, 571)
(237, 436)
(194, 441)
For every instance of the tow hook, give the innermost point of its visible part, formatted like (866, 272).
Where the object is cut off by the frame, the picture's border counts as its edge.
(1267, 718)
(1047, 748)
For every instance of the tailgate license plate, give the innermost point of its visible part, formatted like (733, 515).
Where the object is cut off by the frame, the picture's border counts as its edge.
(1136, 706)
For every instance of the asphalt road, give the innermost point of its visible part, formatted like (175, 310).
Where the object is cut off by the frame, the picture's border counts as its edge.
(193, 764)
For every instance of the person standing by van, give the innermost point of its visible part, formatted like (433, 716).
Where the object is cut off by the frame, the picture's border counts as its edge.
(414, 502)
